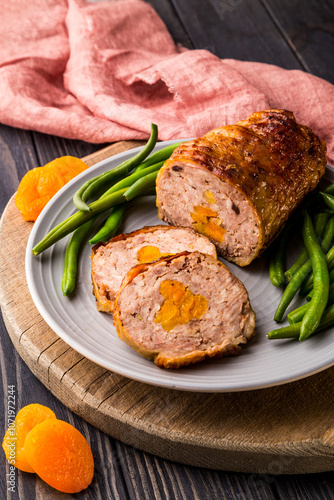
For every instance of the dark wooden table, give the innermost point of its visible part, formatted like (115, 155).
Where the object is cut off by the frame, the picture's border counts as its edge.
(293, 35)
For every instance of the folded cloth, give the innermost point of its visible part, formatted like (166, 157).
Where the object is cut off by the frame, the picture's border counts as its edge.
(102, 72)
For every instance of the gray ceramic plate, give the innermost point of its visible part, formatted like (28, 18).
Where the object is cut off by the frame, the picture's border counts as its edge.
(262, 363)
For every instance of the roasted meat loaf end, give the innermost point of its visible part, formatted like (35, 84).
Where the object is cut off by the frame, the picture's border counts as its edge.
(183, 309)
(111, 261)
(238, 184)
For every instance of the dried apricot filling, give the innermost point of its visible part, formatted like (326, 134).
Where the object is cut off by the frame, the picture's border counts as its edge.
(149, 253)
(208, 197)
(180, 305)
(206, 222)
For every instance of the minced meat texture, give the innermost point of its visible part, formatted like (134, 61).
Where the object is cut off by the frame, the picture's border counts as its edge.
(208, 315)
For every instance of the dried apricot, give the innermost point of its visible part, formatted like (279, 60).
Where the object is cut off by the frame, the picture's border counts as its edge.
(206, 222)
(201, 213)
(149, 253)
(25, 421)
(60, 455)
(40, 184)
(36, 188)
(208, 197)
(180, 305)
(67, 167)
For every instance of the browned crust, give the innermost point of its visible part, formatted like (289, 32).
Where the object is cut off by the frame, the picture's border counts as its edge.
(161, 359)
(216, 352)
(103, 304)
(141, 268)
(270, 158)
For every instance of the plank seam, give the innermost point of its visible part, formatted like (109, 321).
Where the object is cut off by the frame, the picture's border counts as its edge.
(80, 378)
(44, 350)
(285, 36)
(70, 368)
(112, 393)
(93, 382)
(178, 15)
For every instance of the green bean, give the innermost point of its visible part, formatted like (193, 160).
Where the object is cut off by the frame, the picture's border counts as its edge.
(291, 290)
(327, 319)
(297, 314)
(128, 181)
(108, 200)
(123, 183)
(301, 259)
(160, 156)
(319, 300)
(116, 219)
(320, 222)
(301, 274)
(142, 185)
(330, 292)
(326, 243)
(276, 267)
(308, 285)
(286, 332)
(277, 258)
(293, 331)
(93, 185)
(77, 219)
(71, 257)
(328, 236)
(328, 199)
(111, 225)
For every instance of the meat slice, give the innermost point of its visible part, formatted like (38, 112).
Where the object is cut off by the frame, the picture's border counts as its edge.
(112, 260)
(183, 309)
(238, 184)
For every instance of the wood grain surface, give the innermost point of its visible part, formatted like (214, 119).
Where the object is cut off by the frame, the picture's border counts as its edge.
(252, 431)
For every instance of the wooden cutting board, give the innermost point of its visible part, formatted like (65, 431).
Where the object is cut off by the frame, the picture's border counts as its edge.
(285, 429)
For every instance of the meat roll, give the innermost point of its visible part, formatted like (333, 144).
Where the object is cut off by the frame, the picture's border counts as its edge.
(183, 309)
(112, 260)
(238, 184)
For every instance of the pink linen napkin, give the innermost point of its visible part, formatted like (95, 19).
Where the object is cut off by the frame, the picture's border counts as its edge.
(102, 72)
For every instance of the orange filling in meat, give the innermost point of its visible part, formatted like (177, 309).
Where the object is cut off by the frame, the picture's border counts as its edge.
(180, 305)
(149, 253)
(206, 222)
(208, 197)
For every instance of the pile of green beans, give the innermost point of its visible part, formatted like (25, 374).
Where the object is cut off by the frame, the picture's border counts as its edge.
(131, 179)
(311, 275)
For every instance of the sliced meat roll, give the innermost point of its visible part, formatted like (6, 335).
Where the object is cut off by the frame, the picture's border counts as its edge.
(183, 309)
(238, 184)
(111, 261)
